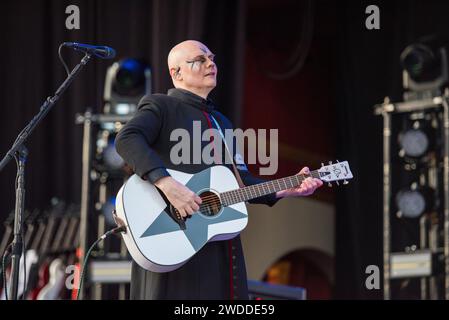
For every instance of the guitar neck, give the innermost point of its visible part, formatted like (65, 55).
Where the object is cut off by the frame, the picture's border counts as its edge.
(258, 190)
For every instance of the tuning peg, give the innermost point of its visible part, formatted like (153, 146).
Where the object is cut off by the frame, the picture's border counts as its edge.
(337, 161)
(329, 185)
(345, 182)
(330, 162)
(322, 164)
(338, 183)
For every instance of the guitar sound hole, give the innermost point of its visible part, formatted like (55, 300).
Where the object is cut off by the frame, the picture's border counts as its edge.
(211, 204)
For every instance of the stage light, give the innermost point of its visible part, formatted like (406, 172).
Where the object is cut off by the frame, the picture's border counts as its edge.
(123, 108)
(107, 209)
(413, 202)
(421, 62)
(414, 143)
(411, 264)
(111, 158)
(127, 81)
(107, 156)
(410, 203)
(425, 65)
(418, 139)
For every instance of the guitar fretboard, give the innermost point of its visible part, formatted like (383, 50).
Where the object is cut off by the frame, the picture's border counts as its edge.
(258, 190)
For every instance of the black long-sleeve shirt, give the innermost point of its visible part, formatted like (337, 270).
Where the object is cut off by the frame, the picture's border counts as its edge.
(145, 144)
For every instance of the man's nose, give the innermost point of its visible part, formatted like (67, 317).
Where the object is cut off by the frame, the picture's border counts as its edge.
(210, 63)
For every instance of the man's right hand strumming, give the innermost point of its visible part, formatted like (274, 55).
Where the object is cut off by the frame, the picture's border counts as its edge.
(181, 197)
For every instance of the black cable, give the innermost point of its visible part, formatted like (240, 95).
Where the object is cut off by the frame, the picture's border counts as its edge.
(29, 125)
(62, 60)
(24, 263)
(86, 257)
(5, 283)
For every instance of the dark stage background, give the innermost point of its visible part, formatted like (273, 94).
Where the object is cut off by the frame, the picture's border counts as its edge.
(347, 71)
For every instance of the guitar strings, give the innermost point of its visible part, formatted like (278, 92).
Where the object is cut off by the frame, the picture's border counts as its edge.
(211, 200)
(245, 188)
(216, 200)
(213, 197)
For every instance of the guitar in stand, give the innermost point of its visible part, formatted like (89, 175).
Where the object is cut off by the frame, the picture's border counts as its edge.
(44, 259)
(76, 258)
(69, 248)
(31, 226)
(8, 223)
(30, 258)
(56, 267)
(33, 274)
(8, 232)
(160, 240)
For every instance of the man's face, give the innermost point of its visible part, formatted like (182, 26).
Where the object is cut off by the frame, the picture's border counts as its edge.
(198, 70)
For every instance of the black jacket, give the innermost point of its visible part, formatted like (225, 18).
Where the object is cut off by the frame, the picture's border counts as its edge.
(144, 143)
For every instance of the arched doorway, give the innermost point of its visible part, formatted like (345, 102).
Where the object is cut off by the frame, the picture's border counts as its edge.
(311, 269)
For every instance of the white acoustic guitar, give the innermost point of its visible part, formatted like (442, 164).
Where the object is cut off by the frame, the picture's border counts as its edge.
(160, 240)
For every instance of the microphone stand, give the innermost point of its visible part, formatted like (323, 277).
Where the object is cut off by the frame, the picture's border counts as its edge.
(19, 152)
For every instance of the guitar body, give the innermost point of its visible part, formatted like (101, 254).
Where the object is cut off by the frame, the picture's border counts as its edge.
(159, 240)
(55, 283)
(31, 258)
(44, 277)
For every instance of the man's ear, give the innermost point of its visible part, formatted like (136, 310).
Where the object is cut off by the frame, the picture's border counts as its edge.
(175, 73)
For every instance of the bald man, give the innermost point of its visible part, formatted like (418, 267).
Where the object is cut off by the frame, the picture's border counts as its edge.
(217, 271)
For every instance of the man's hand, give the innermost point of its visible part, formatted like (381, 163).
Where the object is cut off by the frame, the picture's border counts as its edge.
(307, 187)
(181, 197)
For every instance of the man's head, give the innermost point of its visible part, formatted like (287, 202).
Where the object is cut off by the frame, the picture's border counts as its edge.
(191, 65)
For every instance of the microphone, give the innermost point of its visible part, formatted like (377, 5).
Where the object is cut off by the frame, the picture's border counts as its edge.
(101, 52)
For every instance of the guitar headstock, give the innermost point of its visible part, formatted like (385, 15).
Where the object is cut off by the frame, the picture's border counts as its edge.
(9, 220)
(32, 217)
(335, 172)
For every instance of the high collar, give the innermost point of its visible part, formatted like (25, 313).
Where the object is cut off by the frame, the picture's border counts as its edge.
(192, 99)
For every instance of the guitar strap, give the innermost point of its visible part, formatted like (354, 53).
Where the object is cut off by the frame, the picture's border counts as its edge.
(236, 172)
(231, 246)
